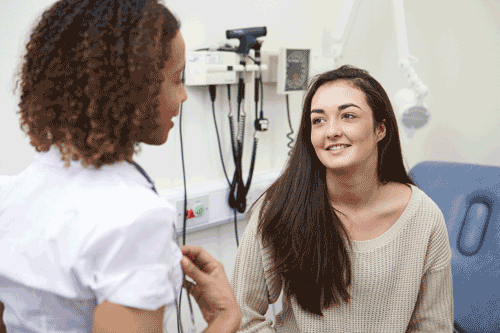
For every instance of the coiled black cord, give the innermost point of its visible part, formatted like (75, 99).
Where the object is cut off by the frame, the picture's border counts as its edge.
(237, 196)
(212, 89)
(252, 165)
(239, 190)
(231, 123)
(212, 95)
(256, 89)
(261, 97)
(289, 135)
(233, 146)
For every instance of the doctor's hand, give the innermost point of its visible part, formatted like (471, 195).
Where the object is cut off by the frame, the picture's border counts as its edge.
(211, 290)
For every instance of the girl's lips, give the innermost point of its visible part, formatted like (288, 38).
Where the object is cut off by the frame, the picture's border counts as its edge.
(345, 145)
(336, 151)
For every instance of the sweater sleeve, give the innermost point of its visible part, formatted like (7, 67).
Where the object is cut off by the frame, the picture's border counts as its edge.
(433, 310)
(253, 284)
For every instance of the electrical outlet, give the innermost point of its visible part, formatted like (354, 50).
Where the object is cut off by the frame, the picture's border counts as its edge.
(197, 212)
(209, 202)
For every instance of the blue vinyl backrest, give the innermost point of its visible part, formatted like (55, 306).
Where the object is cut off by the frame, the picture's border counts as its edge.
(469, 197)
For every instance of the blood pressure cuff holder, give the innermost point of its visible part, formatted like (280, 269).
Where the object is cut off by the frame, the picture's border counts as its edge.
(469, 197)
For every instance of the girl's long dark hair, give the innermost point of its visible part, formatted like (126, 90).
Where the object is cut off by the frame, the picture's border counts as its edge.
(297, 222)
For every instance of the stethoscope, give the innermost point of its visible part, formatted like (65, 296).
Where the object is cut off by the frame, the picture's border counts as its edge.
(191, 329)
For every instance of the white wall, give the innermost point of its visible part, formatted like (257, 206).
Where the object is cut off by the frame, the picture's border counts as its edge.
(457, 44)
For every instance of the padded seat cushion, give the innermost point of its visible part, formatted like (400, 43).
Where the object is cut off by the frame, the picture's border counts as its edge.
(469, 197)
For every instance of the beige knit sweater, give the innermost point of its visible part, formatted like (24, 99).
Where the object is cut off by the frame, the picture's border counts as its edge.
(401, 280)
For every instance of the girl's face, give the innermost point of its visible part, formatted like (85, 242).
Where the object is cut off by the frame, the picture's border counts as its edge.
(172, 93)
(342, 127)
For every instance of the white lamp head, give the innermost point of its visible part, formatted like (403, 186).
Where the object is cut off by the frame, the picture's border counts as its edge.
(411, 112)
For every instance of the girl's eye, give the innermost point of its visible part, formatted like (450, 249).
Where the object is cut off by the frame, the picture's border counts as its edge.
(349, 116)
(315, 121)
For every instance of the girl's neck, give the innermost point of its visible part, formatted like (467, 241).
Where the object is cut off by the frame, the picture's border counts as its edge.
(353, 189)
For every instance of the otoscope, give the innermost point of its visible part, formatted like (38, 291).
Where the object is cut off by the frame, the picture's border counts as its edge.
(248, 38)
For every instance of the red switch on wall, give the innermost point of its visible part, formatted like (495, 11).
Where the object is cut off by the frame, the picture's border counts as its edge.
(190, 214)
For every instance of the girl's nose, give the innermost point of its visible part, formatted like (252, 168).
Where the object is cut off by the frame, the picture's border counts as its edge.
(333, 130)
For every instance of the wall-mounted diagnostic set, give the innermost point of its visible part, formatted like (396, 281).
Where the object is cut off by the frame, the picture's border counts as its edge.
(239, 65)
(228, 66)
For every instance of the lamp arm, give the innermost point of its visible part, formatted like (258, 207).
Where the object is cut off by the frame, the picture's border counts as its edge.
(343, 27)
(404, 56)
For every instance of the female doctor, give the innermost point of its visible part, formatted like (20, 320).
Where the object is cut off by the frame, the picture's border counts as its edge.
(87, 245)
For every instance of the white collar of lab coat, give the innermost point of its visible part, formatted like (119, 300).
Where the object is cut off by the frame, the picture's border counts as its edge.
(51, 160)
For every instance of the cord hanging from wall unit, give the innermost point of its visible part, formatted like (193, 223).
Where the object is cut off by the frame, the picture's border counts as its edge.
(289, 135)
(183, 173)
(293, 77)
(179, 325)
(213, 91)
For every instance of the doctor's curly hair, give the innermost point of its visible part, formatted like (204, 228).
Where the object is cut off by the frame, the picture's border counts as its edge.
(91, 77)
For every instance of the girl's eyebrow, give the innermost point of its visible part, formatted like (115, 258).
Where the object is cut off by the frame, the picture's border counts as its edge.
(340, 108)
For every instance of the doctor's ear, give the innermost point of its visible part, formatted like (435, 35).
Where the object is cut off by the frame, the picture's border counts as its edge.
(381, 130)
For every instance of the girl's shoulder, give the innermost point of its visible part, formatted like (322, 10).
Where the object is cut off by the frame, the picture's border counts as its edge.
(410, 203)
(398, 189)
(395, 199)
(422, 210)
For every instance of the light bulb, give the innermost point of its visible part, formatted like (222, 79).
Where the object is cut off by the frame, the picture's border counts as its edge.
(412, 114)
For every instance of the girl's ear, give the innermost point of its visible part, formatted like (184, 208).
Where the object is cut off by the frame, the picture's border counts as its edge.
(381, 130)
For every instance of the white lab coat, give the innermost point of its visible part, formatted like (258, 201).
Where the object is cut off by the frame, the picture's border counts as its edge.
(72, 238)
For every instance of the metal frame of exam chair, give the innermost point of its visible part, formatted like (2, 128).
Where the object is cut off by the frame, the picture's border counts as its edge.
(469, 197)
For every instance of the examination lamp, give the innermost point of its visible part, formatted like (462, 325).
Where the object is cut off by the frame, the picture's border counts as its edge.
(413, 114)
(411, 111)
(248, 38)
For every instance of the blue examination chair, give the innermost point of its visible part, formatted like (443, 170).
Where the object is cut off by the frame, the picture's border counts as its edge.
(469, 197)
